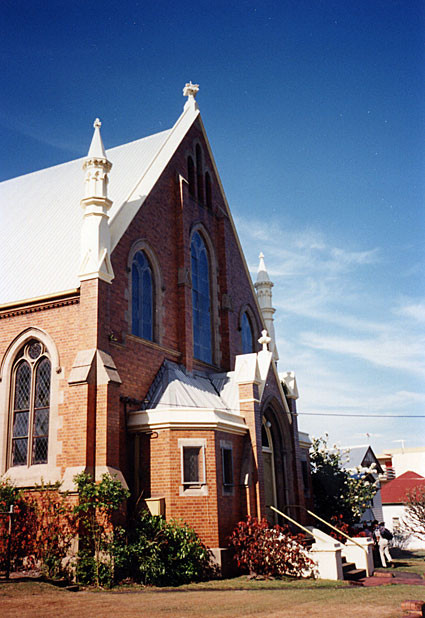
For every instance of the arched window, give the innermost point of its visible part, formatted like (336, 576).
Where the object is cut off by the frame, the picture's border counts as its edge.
(142, 297)
(247, 336)
(191, 176)
(199, 173)
(31, 376)
(208, 190)
(201, 300)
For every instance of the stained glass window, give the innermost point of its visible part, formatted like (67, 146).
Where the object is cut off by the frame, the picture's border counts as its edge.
(142, 297)
(247, 336)
(31, 404)
(201, 300)
(199, 174)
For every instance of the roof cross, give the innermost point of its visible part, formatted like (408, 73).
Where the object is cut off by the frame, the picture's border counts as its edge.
(264, 340)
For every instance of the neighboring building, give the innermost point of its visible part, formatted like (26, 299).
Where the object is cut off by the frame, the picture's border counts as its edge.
(364, 457)
(129, 330)
(394, 494)
(396, 462)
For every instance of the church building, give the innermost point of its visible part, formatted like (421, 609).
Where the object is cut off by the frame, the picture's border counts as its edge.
(133, 341)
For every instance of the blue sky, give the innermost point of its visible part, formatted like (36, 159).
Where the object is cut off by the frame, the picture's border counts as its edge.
(315, 112)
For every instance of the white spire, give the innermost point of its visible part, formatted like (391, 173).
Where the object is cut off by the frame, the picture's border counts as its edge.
(96, 149)
(263, 287)
(95, 232)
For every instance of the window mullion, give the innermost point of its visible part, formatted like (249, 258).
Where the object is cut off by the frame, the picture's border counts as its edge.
(31, 415)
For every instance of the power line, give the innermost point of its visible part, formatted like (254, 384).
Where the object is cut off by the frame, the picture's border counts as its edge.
(362, 415)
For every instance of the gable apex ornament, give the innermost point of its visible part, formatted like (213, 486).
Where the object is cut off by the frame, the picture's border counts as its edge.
(264, 340)
(190, 91)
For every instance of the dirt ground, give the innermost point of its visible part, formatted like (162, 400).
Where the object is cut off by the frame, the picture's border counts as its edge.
(41, 599)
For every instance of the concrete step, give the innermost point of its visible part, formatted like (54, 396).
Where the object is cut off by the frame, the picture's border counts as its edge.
(354, 574)
(348, 566)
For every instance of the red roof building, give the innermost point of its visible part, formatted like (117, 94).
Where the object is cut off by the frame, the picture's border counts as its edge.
(394, 492)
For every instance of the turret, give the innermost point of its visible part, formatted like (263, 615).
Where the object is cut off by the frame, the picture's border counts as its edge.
(263, 287)
(95, 232)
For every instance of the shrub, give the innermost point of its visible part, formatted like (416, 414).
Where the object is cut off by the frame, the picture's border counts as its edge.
(97, 503)
(262, 550)
(160, 553)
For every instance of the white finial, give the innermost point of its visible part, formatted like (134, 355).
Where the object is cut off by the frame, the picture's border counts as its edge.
(264, 340)
(190, 90)
(97, 124)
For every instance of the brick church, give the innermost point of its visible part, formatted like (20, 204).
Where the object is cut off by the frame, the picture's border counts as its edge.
(132, 340)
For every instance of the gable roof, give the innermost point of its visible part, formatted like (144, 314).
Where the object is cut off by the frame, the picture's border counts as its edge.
(41, 216)
(361, 456)
(394, 492)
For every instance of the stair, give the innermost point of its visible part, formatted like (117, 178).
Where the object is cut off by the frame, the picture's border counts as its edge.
(350, 572)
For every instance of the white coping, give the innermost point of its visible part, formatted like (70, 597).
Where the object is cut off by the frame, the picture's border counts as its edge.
(186, 418)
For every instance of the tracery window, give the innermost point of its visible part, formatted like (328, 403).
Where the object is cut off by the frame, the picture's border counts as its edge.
(247, 334)
(201, 300)
(31, 377)
(142, 297)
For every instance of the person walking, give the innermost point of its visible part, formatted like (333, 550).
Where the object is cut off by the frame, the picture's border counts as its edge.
(383, 542)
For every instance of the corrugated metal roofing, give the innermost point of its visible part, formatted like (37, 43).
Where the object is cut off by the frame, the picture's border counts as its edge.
(41, 218)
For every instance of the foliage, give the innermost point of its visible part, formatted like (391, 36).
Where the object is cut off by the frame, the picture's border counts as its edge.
(97, 503)
(22, 540)
(54, 528)
(414, 521)
(262, 550)
(160, 553)
(337, 490)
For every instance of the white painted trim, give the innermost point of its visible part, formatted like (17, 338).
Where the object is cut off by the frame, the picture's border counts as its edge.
(186, 418)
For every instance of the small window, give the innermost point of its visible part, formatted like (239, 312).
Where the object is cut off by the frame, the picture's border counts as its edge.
(227, 465)
(208, 190)
(304, 470)
(199, 174)
(247, 336)
(193, 466)
(264, 438)
(396, 523)
(142, 297)
(191, 176)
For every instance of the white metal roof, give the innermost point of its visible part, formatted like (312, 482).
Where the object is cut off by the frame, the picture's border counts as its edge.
(41, 216)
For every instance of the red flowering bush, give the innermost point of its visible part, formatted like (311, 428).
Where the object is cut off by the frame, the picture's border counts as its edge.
(337, 521)
(262, 550)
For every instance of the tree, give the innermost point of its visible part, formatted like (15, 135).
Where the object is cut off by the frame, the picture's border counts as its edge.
(414, 521)
(338, 492)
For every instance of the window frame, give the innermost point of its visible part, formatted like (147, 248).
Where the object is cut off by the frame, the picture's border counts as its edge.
(141, 300)
(190, 488)
(227, 447)
(23, 357)
(197, 306)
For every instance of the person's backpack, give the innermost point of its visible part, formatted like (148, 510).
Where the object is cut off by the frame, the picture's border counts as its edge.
(386, 534)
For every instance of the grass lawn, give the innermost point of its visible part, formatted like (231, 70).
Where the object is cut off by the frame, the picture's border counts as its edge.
(231, 597)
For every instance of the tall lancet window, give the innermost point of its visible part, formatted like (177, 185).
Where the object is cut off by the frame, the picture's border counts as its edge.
(247, 336)
(31, 405)
(142, 297)
(201, 300)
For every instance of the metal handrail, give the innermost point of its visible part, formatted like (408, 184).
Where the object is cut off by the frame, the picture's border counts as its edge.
(295, 522)
(320, 519)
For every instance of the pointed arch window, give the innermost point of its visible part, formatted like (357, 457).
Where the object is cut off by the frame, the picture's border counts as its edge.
(31, 377)
(201, 300)
(208, 190)
(191, 176)
(199, 173)
(142, 297)
(247, 334)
